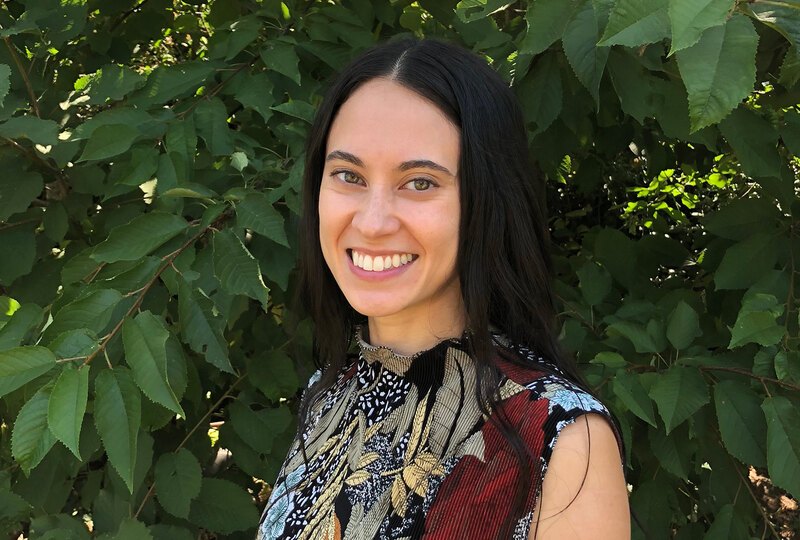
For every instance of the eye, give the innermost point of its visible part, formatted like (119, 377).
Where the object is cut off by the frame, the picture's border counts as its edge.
(420, 184)
(348, 177)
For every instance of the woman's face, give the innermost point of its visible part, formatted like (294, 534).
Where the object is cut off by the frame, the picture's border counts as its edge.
(389, 205)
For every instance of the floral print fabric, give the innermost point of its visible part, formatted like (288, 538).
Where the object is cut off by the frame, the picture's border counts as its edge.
(398, 448)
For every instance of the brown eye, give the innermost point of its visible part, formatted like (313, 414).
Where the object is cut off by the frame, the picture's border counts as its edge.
(347, 176)
(421, 184)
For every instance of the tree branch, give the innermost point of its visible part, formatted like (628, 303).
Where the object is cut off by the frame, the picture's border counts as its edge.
(21, 68)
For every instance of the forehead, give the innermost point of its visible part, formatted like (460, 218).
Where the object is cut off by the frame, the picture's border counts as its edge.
(384, 120)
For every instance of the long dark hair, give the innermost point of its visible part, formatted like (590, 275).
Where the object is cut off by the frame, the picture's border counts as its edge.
(503, 262)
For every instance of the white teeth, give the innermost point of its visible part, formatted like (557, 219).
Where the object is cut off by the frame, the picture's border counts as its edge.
(380, 263)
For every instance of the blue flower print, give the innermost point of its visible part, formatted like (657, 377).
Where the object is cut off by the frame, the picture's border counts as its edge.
(569, 398)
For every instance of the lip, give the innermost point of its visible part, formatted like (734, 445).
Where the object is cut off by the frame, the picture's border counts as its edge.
(376, 276)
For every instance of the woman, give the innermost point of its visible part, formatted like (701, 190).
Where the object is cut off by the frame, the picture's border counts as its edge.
(424, 265)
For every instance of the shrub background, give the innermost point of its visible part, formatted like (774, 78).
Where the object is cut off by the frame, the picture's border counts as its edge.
(151, 152)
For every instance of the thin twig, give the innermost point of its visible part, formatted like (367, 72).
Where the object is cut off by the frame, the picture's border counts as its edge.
(24, 73)
(751, 375)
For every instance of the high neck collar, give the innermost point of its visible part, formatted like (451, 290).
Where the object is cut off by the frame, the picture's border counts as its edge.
(396, 362)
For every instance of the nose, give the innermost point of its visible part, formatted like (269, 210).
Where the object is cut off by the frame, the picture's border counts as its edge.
(376, 214)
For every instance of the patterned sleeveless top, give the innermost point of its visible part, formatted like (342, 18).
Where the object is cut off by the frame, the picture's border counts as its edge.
(398, 448)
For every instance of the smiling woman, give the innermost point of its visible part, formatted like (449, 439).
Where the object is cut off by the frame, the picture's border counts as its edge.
(442, 398)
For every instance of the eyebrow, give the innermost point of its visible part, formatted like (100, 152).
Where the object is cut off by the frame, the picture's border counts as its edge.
(404, 166)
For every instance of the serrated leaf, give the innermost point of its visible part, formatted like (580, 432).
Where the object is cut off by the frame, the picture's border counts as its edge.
(783, 443)
(113, 83)
(257, 213)
(23, 364)
(683, 326)
(741, 422)
(133, 240)
(281, 57)
(756, 327)
(236, 268)
(297, 109)
(202, 328)
(169, 82)
(645, 339)
(17, 191)
(92, 312)
(24, 319)
(117, 416)
(36, 130)
(754, 141)
(746, 261)
(13, 509)
(256, 93)
(67, 406)
(108, 141)
(239, 161)
(259, 429)
(145, 338)
(540, 93)
(679, 393)
(636, 22)
(690, 18)
(632, 84)
(719, 70)
(728, 525)
(31, 440)
(274, 374)
(223, 507)
(178, 478)
(211, 122)
(131, 529)
(580, 39)
(5, 82)
(630, 391)
(546, 20)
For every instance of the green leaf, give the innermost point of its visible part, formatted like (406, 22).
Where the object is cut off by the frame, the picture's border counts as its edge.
(609, 359)
(719, 70)
(140, 236)
(113, 83)
(787, 365)
(257, 213)
(17, 191)
(594, 282)
(630, 391)
(645, 339)
(56, 221)
(674, 453)
(5, 82)
(740, 218)
(636, 22)
(236, 268)
(632, 84)
(202, 327)
(747, 261)
(31, 439)
(211, 121)
(178, 478)
(679, 394)
(117, 415)
(259, 429)
(256, 93)
(92, 312)
(728, 525)
(239, 161)
(21, 241)
(170, 82)
(67, 407)
(13, 509)
(223, 507)
(546, 20)
(36, 130)
(131, 529)
(741, 422)
(690, 18)
(281, 57)
(21, 365)
(783, 443)
(580, 39)
(297, 109)
(754, 141)
(683, 326)
(109, 141)
(145, 338)
(540, 93)
(13, 333)
(756, 327)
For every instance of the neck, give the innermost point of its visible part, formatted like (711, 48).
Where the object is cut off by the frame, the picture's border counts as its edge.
(408, 335)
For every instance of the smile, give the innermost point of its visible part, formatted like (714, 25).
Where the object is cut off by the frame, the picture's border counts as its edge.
(380, 263)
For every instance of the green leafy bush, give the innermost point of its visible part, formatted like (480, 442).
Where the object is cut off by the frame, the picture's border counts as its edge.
(150, 354)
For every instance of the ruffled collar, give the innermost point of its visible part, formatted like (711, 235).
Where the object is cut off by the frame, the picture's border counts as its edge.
(400, 363)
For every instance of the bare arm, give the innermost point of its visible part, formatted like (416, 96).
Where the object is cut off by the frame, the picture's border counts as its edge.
(600, 509)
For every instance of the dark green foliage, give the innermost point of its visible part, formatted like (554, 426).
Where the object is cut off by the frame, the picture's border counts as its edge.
(150, 353)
